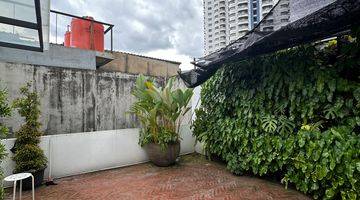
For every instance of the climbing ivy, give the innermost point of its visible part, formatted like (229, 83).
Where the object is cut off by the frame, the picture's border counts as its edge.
(294, 114)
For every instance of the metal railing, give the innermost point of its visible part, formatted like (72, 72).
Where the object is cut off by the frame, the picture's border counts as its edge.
(108, 29)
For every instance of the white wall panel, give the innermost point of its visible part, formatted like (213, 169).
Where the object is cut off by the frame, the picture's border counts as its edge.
(77, 153)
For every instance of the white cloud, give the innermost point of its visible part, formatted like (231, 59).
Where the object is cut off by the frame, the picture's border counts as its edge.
(168, 29)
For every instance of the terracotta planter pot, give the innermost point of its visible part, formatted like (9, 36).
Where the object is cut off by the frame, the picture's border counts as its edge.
(163, 157)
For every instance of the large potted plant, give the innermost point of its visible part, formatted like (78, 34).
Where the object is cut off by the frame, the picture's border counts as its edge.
(29, 157)
(159, 111)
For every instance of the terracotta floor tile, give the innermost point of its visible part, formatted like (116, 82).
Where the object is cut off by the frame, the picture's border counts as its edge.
(193, 178)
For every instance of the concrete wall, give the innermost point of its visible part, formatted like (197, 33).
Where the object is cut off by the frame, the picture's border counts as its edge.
(71, 154)
(74, 100)
(56, 56)
(60, 56)
(195, 104)
(136, 64)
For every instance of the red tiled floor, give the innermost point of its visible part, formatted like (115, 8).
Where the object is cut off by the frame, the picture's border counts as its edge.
(193, 178)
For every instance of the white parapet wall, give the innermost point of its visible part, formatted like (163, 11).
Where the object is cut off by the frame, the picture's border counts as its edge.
(195, 104)
(78, 153)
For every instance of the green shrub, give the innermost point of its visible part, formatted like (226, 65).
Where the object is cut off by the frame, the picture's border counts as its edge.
(5, 111)
(293, 114)
(159, 110)
(29, 157)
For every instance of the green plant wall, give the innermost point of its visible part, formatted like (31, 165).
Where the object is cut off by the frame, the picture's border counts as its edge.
(294, 115)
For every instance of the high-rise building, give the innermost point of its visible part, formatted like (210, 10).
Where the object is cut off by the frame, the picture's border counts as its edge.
(227, 20)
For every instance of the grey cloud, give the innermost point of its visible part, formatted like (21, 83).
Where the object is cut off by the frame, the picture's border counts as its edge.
(146, 25)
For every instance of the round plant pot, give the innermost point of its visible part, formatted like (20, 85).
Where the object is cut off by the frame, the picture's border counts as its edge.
(163, 157)
(38, 179)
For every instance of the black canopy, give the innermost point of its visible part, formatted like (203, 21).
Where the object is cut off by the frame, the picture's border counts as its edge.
(309, 21)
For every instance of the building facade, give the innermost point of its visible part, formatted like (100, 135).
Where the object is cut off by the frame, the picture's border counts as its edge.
(227, 20)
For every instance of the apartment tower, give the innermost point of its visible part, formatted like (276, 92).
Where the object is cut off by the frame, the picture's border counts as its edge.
(227, 20)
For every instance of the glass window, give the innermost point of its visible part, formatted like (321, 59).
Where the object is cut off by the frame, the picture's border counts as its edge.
(18, 9)
(19, 35)
(18, 24)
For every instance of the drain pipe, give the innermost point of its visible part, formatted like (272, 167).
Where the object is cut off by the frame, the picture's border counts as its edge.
(50, 180)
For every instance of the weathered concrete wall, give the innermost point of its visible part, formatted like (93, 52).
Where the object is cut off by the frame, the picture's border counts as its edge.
(60, 56)
(136, 64)
(57, 56)
(75, 100)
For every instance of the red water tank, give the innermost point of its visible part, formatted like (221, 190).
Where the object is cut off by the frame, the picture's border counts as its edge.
(87, 34)
(67, 39)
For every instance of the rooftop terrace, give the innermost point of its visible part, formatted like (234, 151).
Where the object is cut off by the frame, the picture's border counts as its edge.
(193, 178)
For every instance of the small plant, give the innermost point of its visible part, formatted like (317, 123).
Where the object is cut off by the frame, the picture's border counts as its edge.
(158, 110)
(28, 155)
(5, 111)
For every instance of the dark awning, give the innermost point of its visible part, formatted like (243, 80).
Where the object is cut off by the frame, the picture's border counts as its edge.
(326, 19)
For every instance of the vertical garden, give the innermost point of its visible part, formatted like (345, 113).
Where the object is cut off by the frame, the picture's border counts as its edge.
(293, 115)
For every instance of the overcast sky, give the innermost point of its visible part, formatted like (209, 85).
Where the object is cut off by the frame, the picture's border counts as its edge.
(168, 29)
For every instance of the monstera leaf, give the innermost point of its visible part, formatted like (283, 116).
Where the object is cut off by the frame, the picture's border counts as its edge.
(285, 125)
(269, 123)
